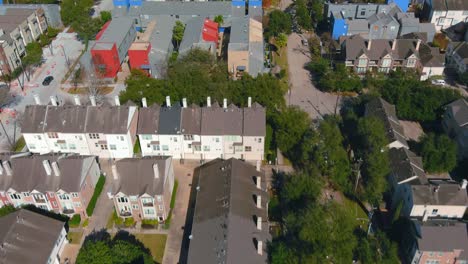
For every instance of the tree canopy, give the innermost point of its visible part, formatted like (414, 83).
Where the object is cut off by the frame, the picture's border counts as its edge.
(33, 54)
(76, 14)
(278, 22)
(439, 153)
(178, 32)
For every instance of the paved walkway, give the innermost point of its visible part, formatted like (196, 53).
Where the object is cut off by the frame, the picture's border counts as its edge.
(184, 175)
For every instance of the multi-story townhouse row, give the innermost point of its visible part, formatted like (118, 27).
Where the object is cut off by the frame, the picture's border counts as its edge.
(105, 131)
(455, 124)
(28, 237)
(142, 187)
(420, 195)
(228, 214)
(205, 133)
(445, 13)
(55, 182)
(19, 27)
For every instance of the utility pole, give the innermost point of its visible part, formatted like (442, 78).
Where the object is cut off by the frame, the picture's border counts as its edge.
(6, 134)
(65, 54)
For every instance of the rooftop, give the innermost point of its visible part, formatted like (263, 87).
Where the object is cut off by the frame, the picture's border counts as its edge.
(437, 238)
(406, 166)
(459, 109)
(28, 237)
(116, 30)
(443, 194)
(224, 227)
(173, 8)
(11, 18)
(136, 176)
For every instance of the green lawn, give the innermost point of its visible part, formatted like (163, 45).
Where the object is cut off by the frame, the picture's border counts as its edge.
(74, 237)
(19, 145)
(97, 192)
(355, 210)
(155, 243)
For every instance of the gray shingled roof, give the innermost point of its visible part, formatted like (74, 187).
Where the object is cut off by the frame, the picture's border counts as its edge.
(116, 30)
(386, 112)
(191, 120)
(254, 120)
(431, 56)
(28, 237)
(459, 110)
(451, 5)
(11, 18)
(192, 34)
(202, 9)
(223, 228)
(34, 117)
(406, 166)
(170, 120)
(356, 45)
(29, 173)
(437, 238)
(148, 120)
(107, 119)
(136, 175)
(65, 119)
(462, 51)
(442, 194)
(221, 121)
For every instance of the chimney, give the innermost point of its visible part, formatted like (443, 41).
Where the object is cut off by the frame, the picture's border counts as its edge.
(117, 100)
(259, 182)
(249, 101)
(47, 167)
(260, 247)
(259, 201)
(7, 167)
(168, 101)
(114, 172)
(418, 44)
(184, 102)
(92, 98)
(208, 101)
(224, 103)
(77, 99)
(1, 169)
(143, 102)
(37, 100)
(369, 44)
(53, 100)
(156, 171)
(464, 183)
(394, 44)
(56, 169)
(259, 223)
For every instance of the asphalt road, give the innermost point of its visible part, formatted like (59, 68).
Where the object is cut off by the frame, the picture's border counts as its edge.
(302, 92)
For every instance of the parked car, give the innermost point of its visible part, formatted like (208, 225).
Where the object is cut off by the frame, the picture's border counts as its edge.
(305, 42)
(47, 80)
(439, 82)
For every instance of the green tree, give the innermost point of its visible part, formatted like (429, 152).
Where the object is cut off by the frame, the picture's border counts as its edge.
(95, 252)
(6, 210)
(303, 15)
(439, 153)
(282, 40)
(278, 22)
(290, 126)
(219, 19)
(178, 33)
(124, 252)
(375, 167)
(106, 16)
(33, 57)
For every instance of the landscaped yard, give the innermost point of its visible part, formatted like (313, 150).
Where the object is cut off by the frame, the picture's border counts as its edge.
(155, 243)
(74, 237)
(355, 210)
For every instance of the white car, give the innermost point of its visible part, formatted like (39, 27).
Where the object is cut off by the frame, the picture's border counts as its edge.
(439, 82)
(305, 42)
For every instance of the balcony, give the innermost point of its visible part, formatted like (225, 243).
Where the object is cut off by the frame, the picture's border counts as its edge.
(147, 204)
(40, 200)
(125, 213)
(68, 211)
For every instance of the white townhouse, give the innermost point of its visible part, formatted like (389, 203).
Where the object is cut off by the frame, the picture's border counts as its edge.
(142, 187)
(204, 133)
(446, 13)
(105, 131)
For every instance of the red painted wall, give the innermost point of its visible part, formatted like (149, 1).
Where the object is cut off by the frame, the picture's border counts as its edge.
(138, 58)
(106, 61)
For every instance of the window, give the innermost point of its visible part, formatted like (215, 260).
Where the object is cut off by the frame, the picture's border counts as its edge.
(39, 137)
(94, 136)
(362, 62)
(259, 140)
(133, 198)
(15, 196)
(363, 13)
(175, 139)
(441, 21)
(434, 211)
(122, 200)
(26, 194)
(165, 147)
(52, 135)
(217, 140)
(189, 146)
(76, 204)
(411, 63)
(465, 13)
(51, 195)
(161, 208)
(432, 261)
(392, 28)
(206, 148)
(113, 147)
(156, 147)
(361, 69)
(64, 197)
(149, 211)
(135, 206)
(159, 198)
(386, 62)
(188, 137)
(54, 204)
(72, 146)
(103, 147)
(74, 194)
(197, 148)
(32, 146)
(79, 138)
(121, 138)
(248, 148)
(147, 137)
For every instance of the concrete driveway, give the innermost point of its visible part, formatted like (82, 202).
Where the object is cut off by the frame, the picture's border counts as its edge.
(302, 92)
(184, 175)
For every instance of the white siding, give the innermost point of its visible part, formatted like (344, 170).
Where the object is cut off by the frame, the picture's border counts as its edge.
(449, 211)
(120, 145)
(36, 142)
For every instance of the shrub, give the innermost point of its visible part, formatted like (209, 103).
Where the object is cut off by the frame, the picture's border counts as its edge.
(5, 210)
(75, 221)
(149, 223)
(86, 222)
(97, 192)
(129, 222)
